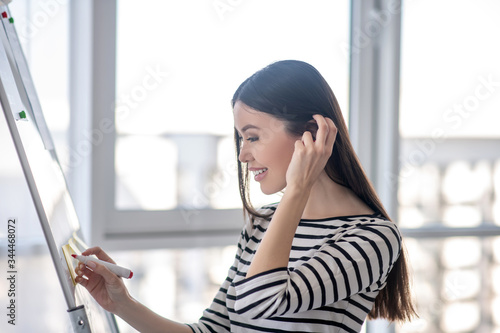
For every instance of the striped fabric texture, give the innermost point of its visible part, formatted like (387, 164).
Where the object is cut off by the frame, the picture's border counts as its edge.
(336, 268)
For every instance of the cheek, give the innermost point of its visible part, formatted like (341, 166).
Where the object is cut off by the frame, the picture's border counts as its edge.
(282, 154)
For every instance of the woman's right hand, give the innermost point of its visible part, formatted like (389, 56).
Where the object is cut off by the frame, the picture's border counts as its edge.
(106, 287)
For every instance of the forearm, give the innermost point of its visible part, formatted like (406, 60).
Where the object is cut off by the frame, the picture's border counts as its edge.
(144, 320)
(274, 249)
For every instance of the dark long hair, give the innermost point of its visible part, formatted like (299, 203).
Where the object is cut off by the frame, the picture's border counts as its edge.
(293, 91)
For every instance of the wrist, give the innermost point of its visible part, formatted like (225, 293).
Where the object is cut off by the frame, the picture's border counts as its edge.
(297, 190)
(295, 200)
(126, 306)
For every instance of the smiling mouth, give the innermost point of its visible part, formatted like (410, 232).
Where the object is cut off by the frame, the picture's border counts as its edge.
(260, 174)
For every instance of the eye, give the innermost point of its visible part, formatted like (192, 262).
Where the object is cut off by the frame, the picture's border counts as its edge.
(252, 139)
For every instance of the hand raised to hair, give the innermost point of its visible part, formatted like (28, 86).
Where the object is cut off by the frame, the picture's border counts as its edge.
(310, 157)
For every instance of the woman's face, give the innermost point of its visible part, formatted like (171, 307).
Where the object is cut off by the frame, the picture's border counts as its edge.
(265, 146)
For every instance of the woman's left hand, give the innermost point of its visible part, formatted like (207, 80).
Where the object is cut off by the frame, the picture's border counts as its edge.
(310, 156)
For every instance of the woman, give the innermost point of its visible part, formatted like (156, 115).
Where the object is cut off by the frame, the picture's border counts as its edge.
(322, 259)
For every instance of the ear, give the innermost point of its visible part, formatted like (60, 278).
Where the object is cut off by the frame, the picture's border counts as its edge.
(312, 126)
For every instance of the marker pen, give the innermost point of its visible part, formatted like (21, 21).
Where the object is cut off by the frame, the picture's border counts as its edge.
(118, 270)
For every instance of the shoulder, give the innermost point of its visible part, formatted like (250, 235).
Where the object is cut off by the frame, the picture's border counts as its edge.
(375, 229)
(374, 221)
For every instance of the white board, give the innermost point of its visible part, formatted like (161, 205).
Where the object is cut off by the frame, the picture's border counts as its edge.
(44, 176)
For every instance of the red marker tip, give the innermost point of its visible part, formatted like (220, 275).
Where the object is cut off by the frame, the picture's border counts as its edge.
(73, 255)
(131, 274)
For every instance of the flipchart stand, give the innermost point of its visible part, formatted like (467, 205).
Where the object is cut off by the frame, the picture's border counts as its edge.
(44, 176)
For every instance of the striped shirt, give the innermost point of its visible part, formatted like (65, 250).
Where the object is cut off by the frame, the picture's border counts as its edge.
(336, 268)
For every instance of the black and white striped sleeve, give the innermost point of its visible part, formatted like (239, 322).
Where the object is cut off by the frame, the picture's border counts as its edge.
(357, 261)
(215, 318)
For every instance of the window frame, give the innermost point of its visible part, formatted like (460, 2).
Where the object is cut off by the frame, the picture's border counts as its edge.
(102, 223)
(374, 115)
(93, 72)
(93, 76)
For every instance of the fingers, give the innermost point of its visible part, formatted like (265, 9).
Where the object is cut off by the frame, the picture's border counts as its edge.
(307, 138)
(92, 272)
(332, 134)
(327, 131)
(322, 133)
(109, 277)
(81, 270)
(99, 253)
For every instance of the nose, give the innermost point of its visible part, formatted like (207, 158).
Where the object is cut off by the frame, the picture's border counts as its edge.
(245, 156)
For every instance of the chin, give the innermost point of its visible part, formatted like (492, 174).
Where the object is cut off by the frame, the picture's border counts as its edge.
(268, 190)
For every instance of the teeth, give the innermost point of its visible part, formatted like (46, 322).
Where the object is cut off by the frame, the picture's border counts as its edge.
(259, 171)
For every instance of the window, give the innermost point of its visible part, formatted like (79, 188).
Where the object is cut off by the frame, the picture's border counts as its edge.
(172, 174)
(173, 164)
(173, 116)
(450, 162)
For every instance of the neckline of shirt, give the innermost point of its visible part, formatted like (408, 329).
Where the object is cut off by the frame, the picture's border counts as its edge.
(374, 215)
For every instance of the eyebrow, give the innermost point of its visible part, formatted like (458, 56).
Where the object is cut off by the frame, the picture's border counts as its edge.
(247, 127)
